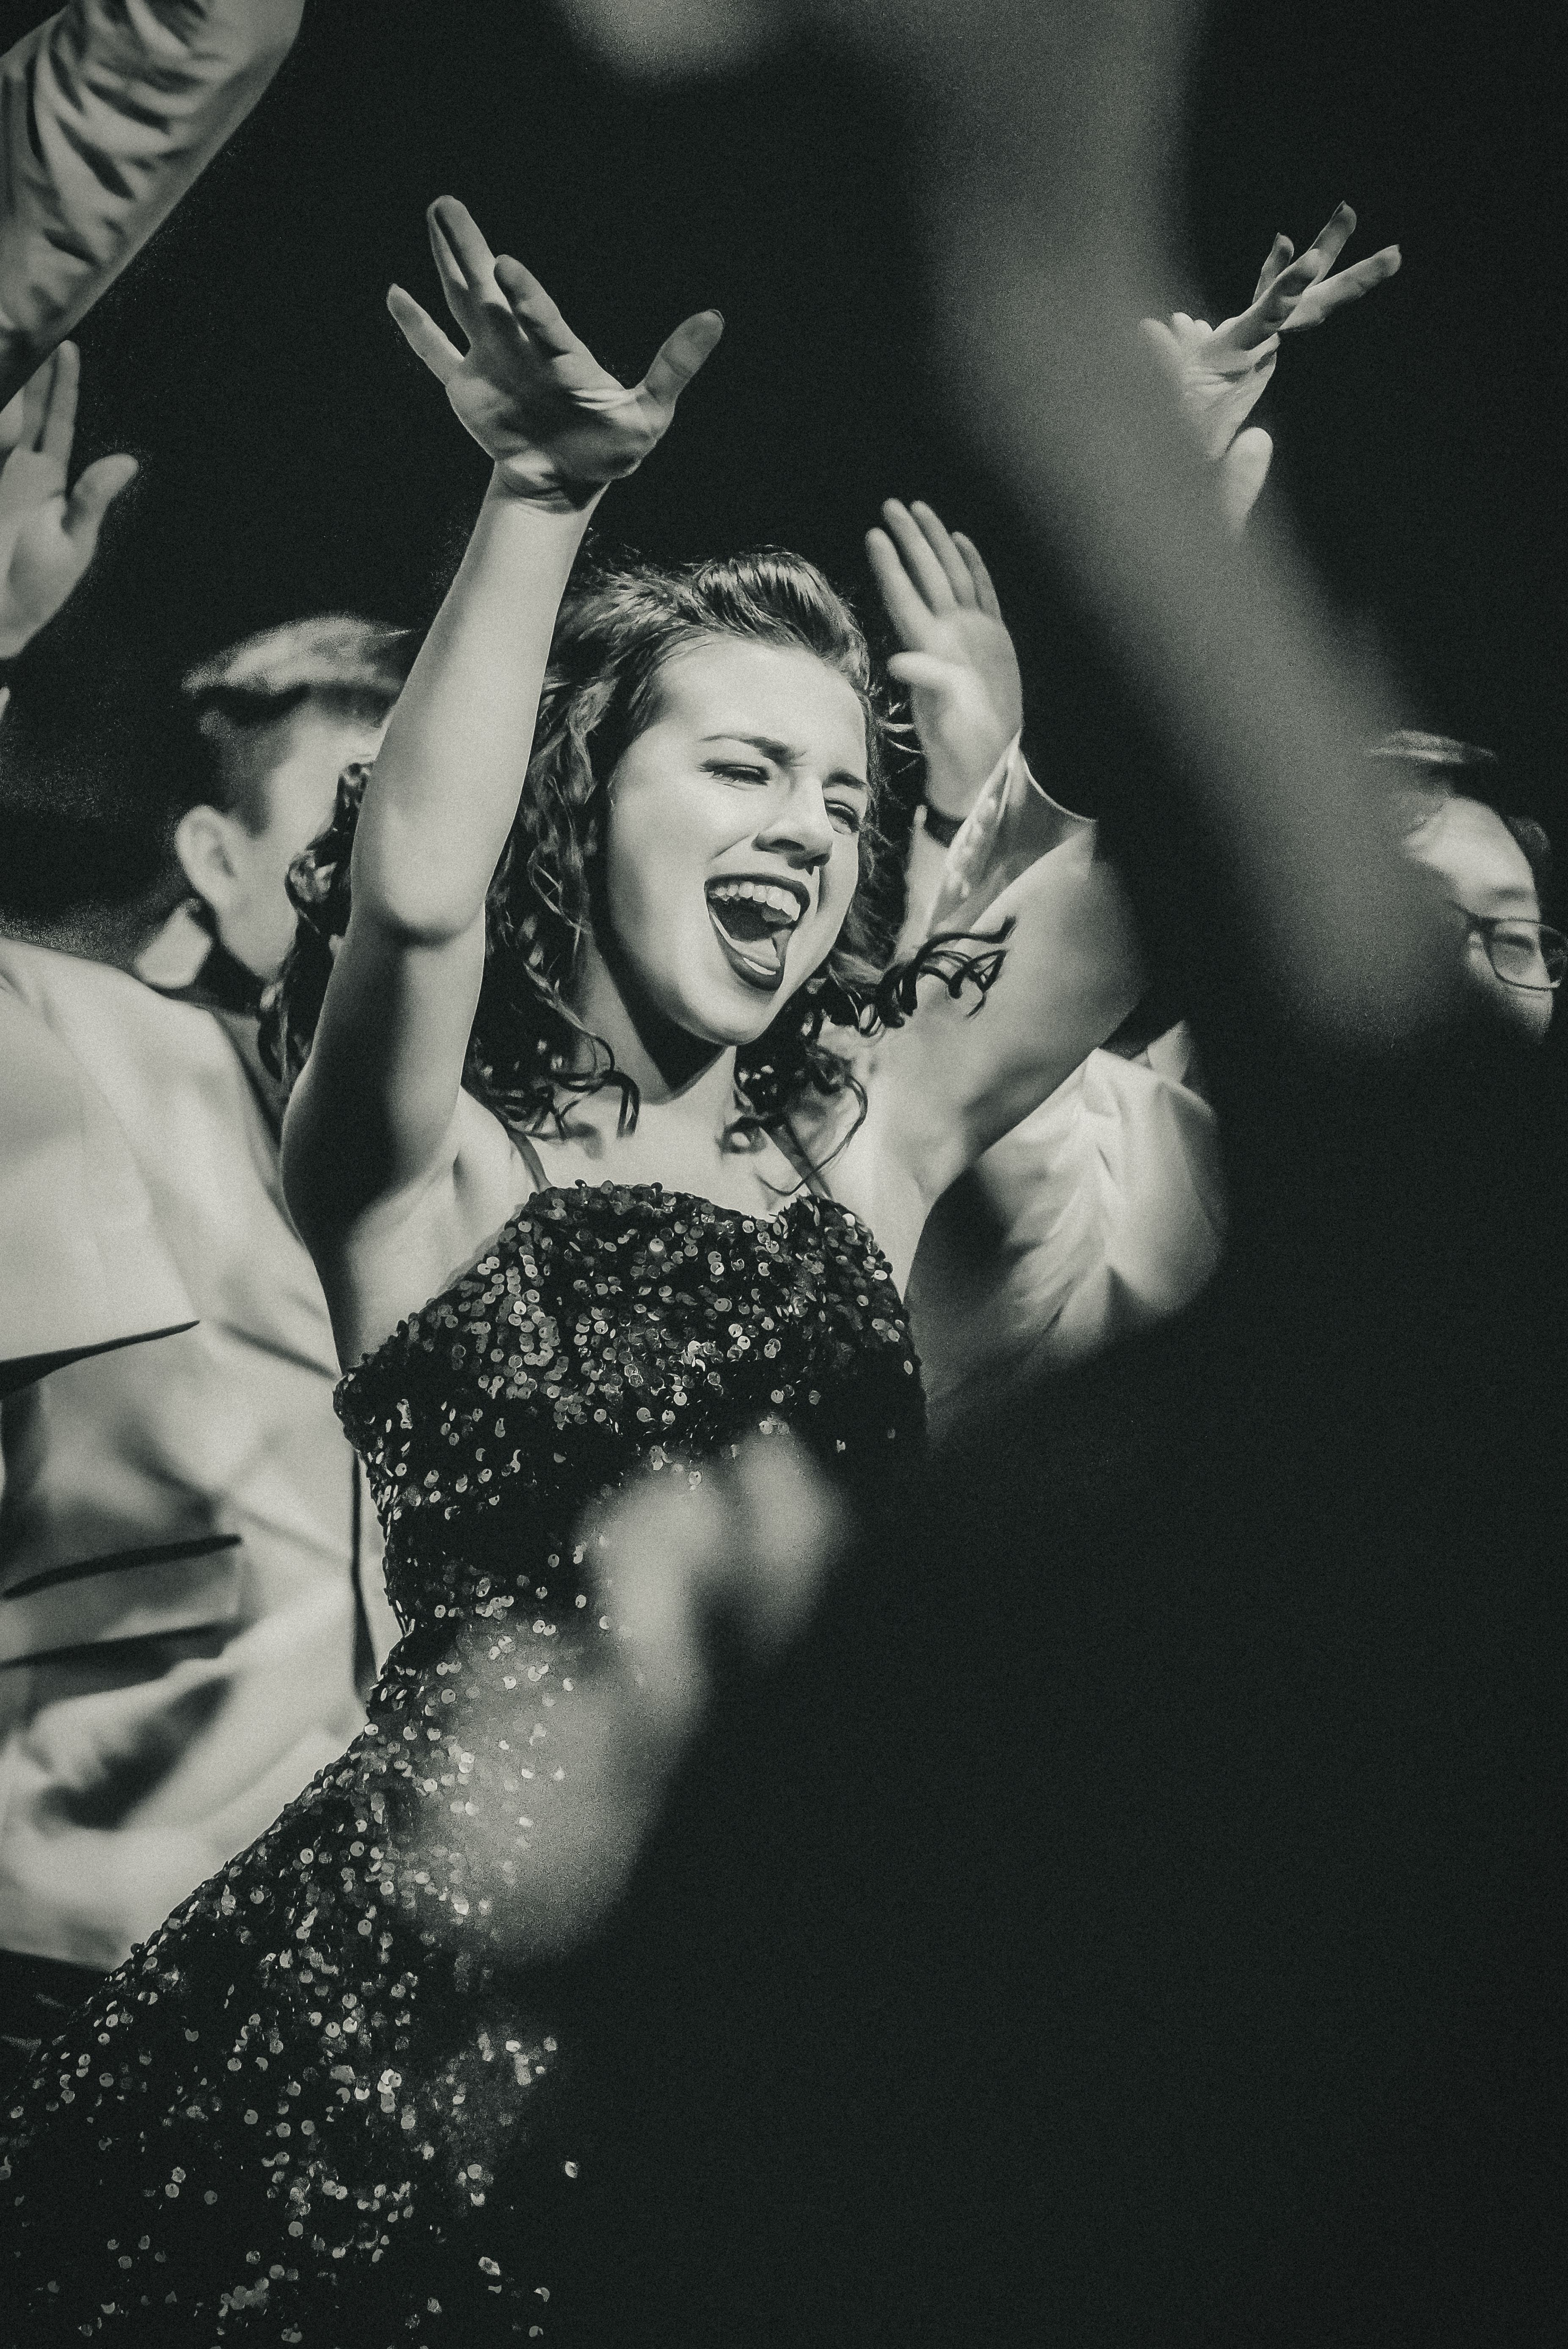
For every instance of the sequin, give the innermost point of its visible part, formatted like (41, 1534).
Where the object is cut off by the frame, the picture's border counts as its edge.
(303, 2111)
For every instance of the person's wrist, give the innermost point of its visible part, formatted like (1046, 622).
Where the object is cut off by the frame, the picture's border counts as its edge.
(546, 495)
(952, 786)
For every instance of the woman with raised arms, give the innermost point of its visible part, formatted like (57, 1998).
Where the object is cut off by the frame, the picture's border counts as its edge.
(599, 1171)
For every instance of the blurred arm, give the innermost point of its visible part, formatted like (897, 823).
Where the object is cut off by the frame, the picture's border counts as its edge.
(108, 112)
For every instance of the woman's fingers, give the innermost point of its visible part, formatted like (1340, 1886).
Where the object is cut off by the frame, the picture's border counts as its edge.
(1331, 293)
(13, 421)
(422, 336)
(97, 491)
(465, 261)
(920, 559)
(1273, 307)
(534, 311)
(678, 359)
(940, 541)
(35, 401)
(59, 422)
(1331, 240)
(985, 594)
(906, 607)
(1279, 253)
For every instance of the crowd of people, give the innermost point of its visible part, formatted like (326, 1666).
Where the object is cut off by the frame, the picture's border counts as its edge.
(506, 1171)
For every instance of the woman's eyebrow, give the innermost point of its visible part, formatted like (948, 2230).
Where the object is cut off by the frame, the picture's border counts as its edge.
(782, 754)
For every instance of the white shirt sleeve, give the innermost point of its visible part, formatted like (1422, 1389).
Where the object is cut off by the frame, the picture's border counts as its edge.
(1011, 826)
(108, 111)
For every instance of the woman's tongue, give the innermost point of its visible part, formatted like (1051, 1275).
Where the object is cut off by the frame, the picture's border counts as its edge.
(760, 933)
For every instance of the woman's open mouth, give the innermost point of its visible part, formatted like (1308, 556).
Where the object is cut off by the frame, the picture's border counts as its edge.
(754, 922)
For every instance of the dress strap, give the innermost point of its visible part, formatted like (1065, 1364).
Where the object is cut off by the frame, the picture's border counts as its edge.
(531, 1159)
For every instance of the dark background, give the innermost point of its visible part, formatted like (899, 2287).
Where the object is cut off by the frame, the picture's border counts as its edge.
(296, 458)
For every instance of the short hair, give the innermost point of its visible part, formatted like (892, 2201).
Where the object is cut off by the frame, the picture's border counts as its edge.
(1449, 769)
(350, 666)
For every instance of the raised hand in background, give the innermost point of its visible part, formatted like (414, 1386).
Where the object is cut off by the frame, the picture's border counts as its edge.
(957, 656)
(47, 536)
(1221, 372)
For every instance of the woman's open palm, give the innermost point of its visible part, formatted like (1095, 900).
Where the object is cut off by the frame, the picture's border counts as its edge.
(527, 389)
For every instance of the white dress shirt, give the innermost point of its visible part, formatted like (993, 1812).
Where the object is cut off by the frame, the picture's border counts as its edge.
(177, 1602)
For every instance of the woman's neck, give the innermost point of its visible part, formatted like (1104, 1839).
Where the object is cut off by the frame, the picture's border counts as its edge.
(682, 1135)
(680, 1078)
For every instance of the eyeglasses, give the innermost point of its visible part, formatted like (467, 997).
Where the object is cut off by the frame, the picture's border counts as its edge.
(1523, 953)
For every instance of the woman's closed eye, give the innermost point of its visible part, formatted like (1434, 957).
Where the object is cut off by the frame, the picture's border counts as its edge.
(849, 816)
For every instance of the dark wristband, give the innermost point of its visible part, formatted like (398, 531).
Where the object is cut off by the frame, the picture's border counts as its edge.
(943, 828)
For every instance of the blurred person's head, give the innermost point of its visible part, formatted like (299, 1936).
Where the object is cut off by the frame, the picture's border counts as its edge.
(1495, 869)
(276, 721)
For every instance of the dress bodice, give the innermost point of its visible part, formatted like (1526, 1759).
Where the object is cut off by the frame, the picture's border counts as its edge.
(608, 1327)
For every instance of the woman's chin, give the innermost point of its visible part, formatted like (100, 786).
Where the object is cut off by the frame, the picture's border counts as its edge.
(731, 1015)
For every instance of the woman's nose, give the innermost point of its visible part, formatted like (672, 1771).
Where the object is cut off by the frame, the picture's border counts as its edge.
(800, 820)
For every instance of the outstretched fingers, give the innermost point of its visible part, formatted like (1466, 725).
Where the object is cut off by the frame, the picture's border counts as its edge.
(36, 403)
(906, 607)
(921, 558)
(59, 420)
(984, 591)
(422, 336)
(1330, 241)
(101, 483)
(678, 359)
(945, 547)
(1331, 293)
(534, 311)
(1279, 253)
(465, 262)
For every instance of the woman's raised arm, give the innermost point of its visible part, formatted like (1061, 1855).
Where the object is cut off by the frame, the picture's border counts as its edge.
(376, 1116)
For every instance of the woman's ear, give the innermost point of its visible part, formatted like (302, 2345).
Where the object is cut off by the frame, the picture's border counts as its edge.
(202, 845)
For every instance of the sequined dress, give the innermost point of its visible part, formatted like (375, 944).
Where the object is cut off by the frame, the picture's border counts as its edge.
(310, 2109)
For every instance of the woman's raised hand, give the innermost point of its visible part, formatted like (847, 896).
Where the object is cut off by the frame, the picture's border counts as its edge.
(1221, 372)
(958, 659)
(48, 538)
(530, 392)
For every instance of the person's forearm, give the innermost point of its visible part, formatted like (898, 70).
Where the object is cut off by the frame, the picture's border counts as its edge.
(108, 112)
(451, 768)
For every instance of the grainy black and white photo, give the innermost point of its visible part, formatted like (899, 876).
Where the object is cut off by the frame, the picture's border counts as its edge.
(783, 1173)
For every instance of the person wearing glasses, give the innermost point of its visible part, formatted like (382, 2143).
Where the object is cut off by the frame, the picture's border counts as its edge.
(1496, 871)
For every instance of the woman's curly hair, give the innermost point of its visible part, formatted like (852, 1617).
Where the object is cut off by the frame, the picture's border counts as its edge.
(527, 1050)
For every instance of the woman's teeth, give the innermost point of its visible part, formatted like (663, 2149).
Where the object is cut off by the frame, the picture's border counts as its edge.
(753, 922)
(761, 893)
